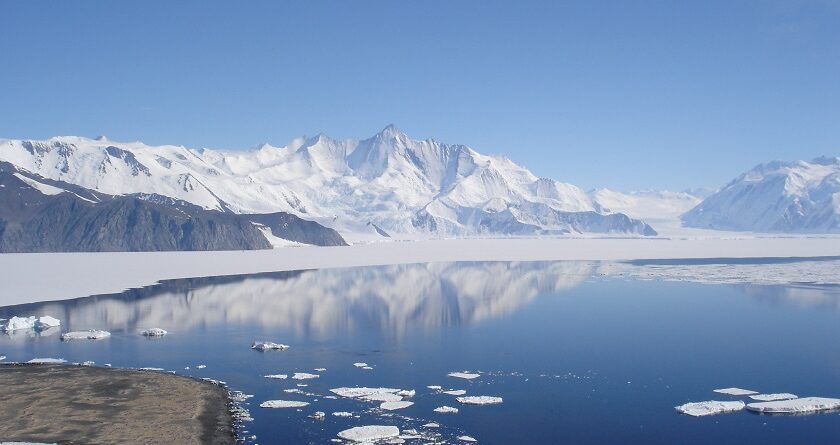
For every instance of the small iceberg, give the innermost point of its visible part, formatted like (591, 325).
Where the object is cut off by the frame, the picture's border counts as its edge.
(283, 404)
(369, 433)
(467, 439)
(391, 406)
(360, 365)
(17, 323)
(47, 322)
(268, 346)
(200, 366)
(435, 387)
(479, 400)
(407, 393)
(47, 361)
(446, 410)
(710, 407)
(320, 369)
(796, 406)
(774, 397)
(318, 415)
(357, 393)
(154, 332)
(464, 375)
(92, 334)
(431, 425)
(455, 392)
(342, 414)
(277, 376)
(735, 391)
(304, 376)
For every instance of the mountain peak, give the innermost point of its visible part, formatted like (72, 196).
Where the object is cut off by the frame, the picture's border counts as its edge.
(391, 131)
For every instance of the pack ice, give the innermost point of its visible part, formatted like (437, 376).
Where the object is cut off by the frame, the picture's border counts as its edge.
(369, 433)
(774, 397)
(710, 407)
(735, 391)
(796, 406)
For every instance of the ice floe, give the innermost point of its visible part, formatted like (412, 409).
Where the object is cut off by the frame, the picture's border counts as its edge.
(360, 365)
(342, 414)
(283, 404)
(406, 393)
(479, 400)
(46, 361)
(320, 369)
(369, 433)
(467, 439)
(357, 393)
(391, 406)
(92, 334)
(304, 376)
(455, 392)
(464, 375)
(277, 376)
(153, 332)
(710, 407)
(318, 415)
(268, 346)
(431, 425)
(383, 397)
(774, 397)
(200, 366)
(796, 406)
(435, 387)
(735, 391)
(446, 410)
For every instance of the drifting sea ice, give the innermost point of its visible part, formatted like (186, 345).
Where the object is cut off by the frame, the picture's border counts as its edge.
(455, 392)
(467, 439)
(384, 397)
(318, 415)
(154, 332)
(710, 407)
(391, 406)
(268, 346)
(200, 366)
(435, 387)
(357, 393)
(774, 397)
(796, 406)
(464, 375)
(277, 376)
(92, 334)
(304, 376)
(320, 369)
(283, 404)
(46, 361)
(446, 410)
(479, 400)
(407, 393)
(431, 425)
(735, 391)
(342, 414)
(369, 433)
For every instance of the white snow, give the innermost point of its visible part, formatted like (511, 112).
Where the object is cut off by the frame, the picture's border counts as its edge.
(75, 274)
(796, 406)
(391, 406)
(268, 346)
(92, 334)
(46, 189)
(154, 332)
(446, 410)
(464, 375)
(369, 433)
(304, 376)
(45, 361)
(735, 391)
(479, 400)
(455, 392)
(774, 397)
(277, 376)
(710, 407)
(283, 404)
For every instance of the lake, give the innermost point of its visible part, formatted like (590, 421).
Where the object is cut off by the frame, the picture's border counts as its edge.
(580, 352)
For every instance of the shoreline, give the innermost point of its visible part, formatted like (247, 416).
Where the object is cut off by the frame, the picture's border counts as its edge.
(39, 277)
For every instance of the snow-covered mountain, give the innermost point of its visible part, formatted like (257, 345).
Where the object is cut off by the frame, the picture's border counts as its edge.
(649, 205)
(387, 184)
(801, 196)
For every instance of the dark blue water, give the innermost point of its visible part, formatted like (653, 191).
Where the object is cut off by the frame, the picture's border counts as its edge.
(577, 358)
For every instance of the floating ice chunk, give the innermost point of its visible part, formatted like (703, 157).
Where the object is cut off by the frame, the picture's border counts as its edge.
(320, 369)
(318, 415)
(302, 385)
(277, 376)
(283, 404)
(710, 407)
(369, 433)
(153, 332)
(435, 387)
(47, 361)
(455, 392)
(16, 323)
(92, 334)
(355, 393)
(796, 406)
(407, 393)
(367, 368)
(304, 376)
(151, 369)
(735, 391)
(342, 414)
(479, 400)
(464, 375)
(293, 391)
(268, 346)
(2, 357)
(391, 406)
(774, 397)
(360, 364)
(200, 366)
(384, 397)
(431, 425)
(446, 410)
(47, 322)
(330, 397)
(88, 363)
(467, 438)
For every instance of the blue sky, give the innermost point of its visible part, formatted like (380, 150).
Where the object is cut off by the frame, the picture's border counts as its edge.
(624, 94)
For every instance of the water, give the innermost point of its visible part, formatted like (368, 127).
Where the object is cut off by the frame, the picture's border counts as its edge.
(577, 355)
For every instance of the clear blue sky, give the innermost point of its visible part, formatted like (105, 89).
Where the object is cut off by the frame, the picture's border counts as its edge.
(625, 94)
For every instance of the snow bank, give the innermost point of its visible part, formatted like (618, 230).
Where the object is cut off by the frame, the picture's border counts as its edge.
(735, 391)
(391, 406)
(369, 433)
(92, 334)
(154, 332)
(710, 407)
(479, 400)
(464, 375)
(283, 404)
(268, 346)
(774, 397)
(796, 406)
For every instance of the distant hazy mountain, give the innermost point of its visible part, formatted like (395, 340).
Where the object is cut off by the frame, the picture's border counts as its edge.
(799, 196)
(42, 215)
(385, 185)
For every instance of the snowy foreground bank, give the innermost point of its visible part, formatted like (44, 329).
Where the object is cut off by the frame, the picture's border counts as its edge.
(80, 274)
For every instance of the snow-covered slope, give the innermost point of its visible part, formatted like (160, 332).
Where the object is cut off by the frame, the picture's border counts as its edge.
(649, 205)
(799, 196)
(400, 185)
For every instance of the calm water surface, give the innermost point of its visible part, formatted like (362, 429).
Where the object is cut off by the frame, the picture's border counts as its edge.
(577, 357)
